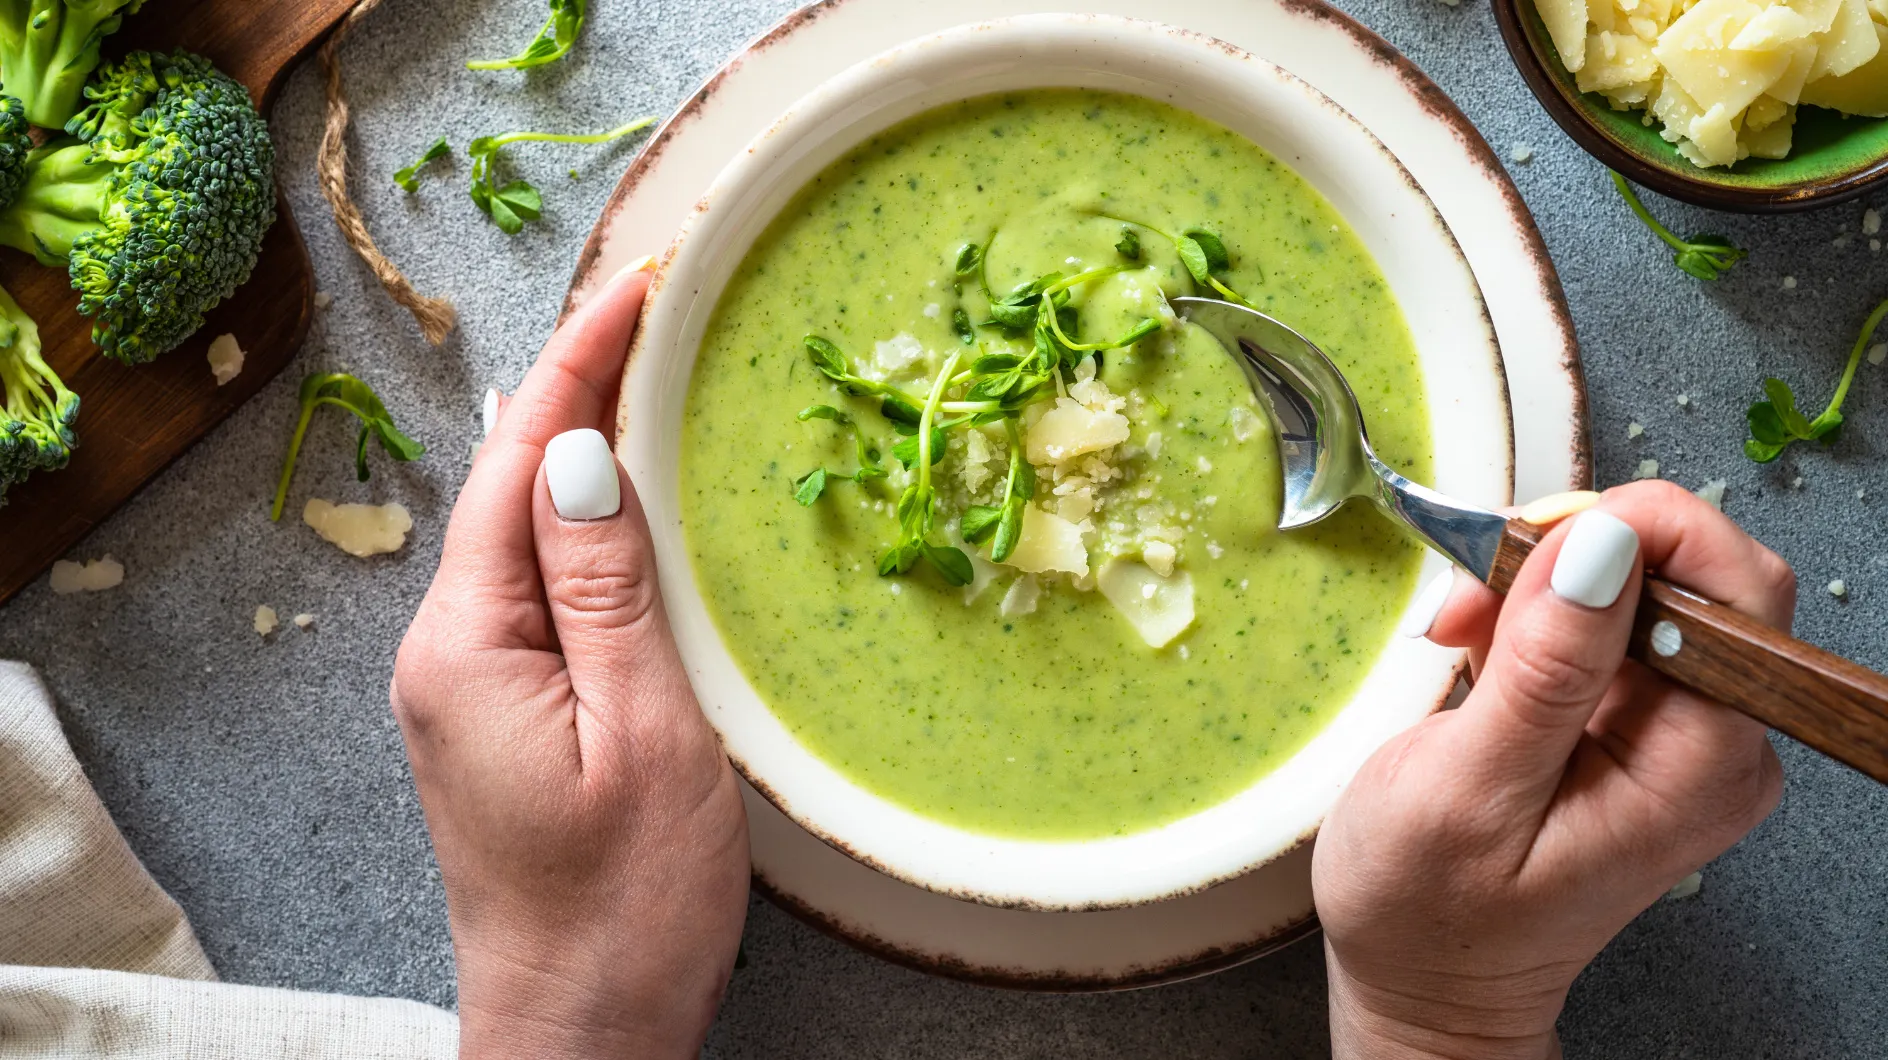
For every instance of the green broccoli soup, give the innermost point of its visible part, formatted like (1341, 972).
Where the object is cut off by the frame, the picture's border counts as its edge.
(988, 527)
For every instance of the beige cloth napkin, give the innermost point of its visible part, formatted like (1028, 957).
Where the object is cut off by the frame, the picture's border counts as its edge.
(98, 963)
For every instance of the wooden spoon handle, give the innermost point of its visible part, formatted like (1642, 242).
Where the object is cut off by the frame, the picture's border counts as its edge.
(1798, 689)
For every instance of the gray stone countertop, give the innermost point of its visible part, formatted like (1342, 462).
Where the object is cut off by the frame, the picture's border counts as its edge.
(264, 783)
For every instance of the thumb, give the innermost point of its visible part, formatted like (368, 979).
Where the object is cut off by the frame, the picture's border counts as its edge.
(598, 566)
(1560, 642)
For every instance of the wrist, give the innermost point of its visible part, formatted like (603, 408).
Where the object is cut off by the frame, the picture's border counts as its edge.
(1450, 1018)
(576, 1007)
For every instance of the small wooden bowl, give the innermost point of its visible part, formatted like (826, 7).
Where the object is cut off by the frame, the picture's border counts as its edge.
(1833, 159)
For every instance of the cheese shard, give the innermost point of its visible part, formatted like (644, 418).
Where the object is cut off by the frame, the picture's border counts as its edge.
(1021, 597)
(1566, 25)
(1049, 543)
(1615, 60)
(1696, 52)
(1158, 608)
(1863, 90)
(1773, 28)
(359, 529)
(1071, 429)
(91, 576)
(1820, 14)
(1849, 42)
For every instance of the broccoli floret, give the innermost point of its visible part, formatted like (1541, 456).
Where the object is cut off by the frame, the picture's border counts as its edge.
(36, 423)
(49, 47)
(158, 207)
(16, 142)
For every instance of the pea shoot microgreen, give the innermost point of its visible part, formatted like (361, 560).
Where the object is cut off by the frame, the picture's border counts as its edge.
(344, 392)
(1037, 338)
(552, 43)
(1704, 256)
(1776, 423)
(511, 204)
(408, 178)
(808, 487)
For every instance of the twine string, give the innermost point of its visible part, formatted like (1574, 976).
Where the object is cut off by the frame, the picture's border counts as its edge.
(435, 316)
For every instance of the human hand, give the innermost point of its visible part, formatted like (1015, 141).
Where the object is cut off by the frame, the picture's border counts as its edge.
(587, 824)
(1481, 859)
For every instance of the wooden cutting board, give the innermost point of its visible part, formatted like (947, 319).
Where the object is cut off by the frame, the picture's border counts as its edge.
(133, 421)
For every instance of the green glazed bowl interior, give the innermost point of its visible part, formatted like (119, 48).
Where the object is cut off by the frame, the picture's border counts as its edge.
(1832, 157)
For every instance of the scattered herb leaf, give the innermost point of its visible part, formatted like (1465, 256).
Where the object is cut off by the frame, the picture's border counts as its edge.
(1776, 423)
(1704, 256)
(552, 43)
(409, 177)
(345, 392)
(1129, 245)
(517, 202)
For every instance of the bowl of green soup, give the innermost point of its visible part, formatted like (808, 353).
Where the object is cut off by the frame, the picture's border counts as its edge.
(968, 541)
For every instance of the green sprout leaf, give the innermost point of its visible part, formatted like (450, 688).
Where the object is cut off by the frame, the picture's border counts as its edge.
(345, 392)
(960, 323)
(951, 562)
(511, 205)
(969, 259)
(1776, 423)
(979, 522)
(1193, 256)
(408, 178)
(808, 487)
(1217, 260)
(1704, 256)
(553, 42)
(1129, 245)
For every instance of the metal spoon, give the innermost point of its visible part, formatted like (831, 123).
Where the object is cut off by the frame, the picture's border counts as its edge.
(1823, 700)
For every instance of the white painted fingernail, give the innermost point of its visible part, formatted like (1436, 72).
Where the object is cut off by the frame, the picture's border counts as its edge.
(490, 410)
(1427, 605)
(581, 472)
(1596, 560)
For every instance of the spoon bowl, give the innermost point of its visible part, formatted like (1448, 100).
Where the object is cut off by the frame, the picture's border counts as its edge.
(1325, 458)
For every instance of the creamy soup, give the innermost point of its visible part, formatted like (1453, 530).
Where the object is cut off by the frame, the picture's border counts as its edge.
(1033, 701)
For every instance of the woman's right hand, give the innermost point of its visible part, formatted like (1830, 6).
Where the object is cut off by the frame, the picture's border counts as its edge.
(1481, 859)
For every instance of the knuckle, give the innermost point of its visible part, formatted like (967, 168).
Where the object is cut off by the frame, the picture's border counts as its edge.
(1553, 667)
(609, 598)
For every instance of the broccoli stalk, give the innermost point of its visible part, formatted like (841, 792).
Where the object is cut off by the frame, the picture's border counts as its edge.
(36, 423)
(158, 207)
(49, 47)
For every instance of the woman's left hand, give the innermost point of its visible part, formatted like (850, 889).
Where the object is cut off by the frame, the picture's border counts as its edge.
(588, 826)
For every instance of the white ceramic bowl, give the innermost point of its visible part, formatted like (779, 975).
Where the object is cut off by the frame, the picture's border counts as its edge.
(1460, 363)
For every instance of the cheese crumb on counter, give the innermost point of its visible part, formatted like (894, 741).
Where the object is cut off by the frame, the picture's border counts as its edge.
(1789, 283)
(323, 299)
(266, 622)
(1871, 221)
(226, 358)
(91, 576)
(1712, 493)
(1838, 588)
(1686, 887)
(304, 620)
(1647, 469)
(1634, 430)
(1878, 353)
(359, 529)
(1521, 152)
